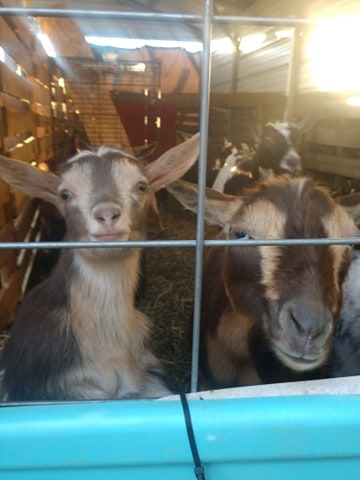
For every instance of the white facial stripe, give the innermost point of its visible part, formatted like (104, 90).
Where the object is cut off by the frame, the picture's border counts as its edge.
(269, 263)
(290, 155)
(265, 221)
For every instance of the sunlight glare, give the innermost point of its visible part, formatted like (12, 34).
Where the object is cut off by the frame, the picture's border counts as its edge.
(46, 43)
(133, 43)
(333, 54)
(249, 43)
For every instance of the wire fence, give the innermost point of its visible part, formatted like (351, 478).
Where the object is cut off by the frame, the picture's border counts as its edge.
(207, 20)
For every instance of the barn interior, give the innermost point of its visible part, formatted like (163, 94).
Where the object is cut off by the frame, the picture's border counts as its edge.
(129, 73)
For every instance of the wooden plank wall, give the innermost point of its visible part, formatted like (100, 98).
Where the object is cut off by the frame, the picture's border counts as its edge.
(26, 133)
(65, 117)
(235, 116)
(331, 147)
(231, 115)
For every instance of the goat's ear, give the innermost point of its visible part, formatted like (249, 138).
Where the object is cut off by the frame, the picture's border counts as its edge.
(219, 207)
(173, 163)
(306, 124)
(31, 180)
(351, 203)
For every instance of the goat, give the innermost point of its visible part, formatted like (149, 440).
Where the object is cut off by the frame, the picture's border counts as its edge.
(231, 168)
(345, 358)
(275, 154)
(218, 151)
(269, 312)
(78, 335)
(276, 149)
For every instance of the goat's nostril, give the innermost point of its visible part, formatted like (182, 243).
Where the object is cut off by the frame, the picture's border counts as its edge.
(296, 323)
(107, 217)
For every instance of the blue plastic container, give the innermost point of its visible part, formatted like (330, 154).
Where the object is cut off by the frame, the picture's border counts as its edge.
(272, 438)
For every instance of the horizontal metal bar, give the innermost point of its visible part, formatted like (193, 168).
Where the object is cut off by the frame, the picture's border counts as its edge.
(99, 14)
(183, 243)
(151, 16)
(268, 21)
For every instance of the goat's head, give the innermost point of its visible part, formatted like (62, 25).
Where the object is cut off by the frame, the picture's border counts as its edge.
(103, 196)
(277, 148)
(293, 293)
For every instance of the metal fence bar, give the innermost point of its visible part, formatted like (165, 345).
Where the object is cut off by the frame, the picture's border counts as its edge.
(150, 16)
(183, 243)
(207, 20)
(95, 14)
(204, 120)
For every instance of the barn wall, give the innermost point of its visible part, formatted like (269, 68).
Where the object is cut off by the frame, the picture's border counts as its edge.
(34, 111)
(266, 68)
(24, 102)
(263, 70)
(331, 146)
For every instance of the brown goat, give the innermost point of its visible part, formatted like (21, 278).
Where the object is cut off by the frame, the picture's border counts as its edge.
(269, 312)
(78, 335)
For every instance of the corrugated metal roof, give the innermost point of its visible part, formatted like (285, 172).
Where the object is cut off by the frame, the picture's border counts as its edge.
(263, 70)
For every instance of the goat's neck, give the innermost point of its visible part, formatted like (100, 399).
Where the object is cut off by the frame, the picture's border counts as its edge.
(99, 288)
(109, 279)
(102, 310)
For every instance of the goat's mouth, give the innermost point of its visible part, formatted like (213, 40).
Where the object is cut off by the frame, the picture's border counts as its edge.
(109, 237)
(300, 362)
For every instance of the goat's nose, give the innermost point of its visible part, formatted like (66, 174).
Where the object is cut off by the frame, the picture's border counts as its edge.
(107, 213)
(310, 318)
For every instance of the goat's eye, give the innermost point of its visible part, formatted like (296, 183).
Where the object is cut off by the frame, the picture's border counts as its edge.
(241, 235)
(66, 195)
(142, 187)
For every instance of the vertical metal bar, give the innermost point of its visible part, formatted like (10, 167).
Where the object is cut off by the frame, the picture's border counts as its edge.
(204, 120)
(293, 74)
(235, 66)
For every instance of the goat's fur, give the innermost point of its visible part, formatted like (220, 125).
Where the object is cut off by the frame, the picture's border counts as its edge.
(345, 359)
(78, 335)
(269, 312)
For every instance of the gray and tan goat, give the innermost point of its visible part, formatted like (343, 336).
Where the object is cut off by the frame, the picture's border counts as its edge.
(269, 312)
(78, 335)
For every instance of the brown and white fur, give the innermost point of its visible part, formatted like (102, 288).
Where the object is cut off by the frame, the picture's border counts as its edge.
(78, 335)
(269, 312)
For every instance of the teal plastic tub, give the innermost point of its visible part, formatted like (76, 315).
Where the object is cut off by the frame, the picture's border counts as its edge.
(272, 438)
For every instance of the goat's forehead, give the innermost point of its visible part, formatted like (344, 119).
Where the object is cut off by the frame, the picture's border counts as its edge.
(283, 129)
(98, 172)
(294, 209)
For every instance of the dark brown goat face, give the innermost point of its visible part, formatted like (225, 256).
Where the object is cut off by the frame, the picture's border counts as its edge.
(278, 148)
(291, 293)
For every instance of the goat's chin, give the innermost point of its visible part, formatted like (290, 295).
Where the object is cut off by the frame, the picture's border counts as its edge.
(300, 363)
(106, 251)
(122, 236)
(110, 253)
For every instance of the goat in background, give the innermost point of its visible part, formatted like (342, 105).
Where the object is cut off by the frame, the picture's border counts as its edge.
(275, 153)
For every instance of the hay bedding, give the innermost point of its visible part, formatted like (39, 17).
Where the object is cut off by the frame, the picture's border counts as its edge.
(167, 293)
(169, 289)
